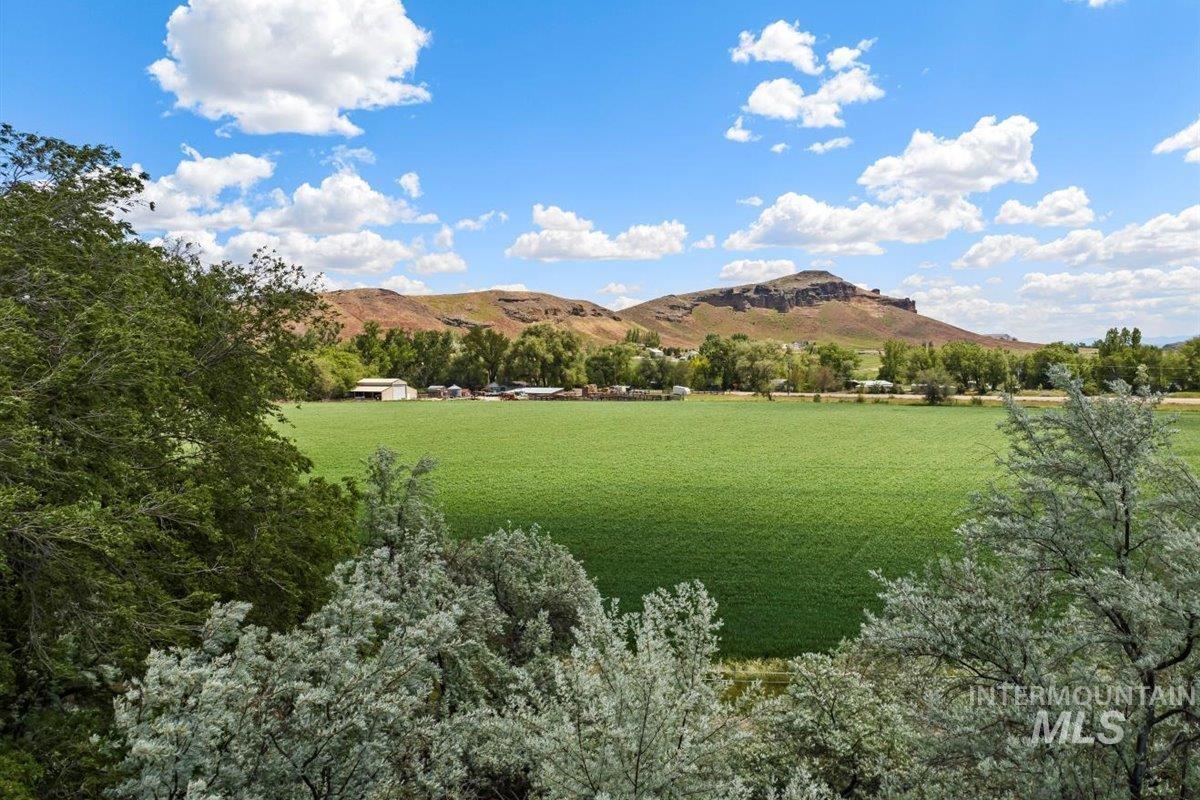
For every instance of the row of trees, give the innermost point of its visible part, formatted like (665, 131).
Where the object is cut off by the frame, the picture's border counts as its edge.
(1053, 657)
(1119, 356)
(544, 354)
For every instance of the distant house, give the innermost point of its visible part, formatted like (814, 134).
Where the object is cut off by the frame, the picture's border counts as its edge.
(383, 389)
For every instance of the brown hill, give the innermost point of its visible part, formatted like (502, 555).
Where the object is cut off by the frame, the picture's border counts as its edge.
(812, 306)
(807, 306)
(508, 312)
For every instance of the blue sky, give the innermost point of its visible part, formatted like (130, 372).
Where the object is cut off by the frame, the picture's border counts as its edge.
(300, 116)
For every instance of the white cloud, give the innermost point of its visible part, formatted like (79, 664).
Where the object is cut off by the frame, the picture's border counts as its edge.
(752, 200)
(1098, 3)
(1167, 239)
(822, 263)
(622, 303)
(410, 182)
(707, 243)
(344, 157)
(842, 57)
(782, 147)
(1187, 139)
(821, 148)
(208, 177)
(750, 270)
(738, 133)
(984, 157)
(434, 263)
(444, 238)
(405, 285)
(992, 250)
(781, 42)
(801, 221)
(290, 65)
(1116, 286)
(360, 252)
(1164, 239)
(509, 287)
(343, 202)
(480, 222)
(782, 98)
(619, 288)
(564, 235)
(188, 198)
(1065, 207)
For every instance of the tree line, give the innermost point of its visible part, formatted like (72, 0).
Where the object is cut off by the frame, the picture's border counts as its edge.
(546, 355)
(1120, 355)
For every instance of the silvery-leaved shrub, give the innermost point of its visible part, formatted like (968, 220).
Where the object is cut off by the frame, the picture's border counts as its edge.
(1057, 655)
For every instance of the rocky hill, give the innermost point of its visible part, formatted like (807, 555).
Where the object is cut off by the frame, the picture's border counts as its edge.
(810, 306)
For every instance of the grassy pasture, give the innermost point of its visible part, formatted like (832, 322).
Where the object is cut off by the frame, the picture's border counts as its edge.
(780, 508)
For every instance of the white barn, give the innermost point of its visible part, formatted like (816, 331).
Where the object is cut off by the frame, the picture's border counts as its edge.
(383, 389)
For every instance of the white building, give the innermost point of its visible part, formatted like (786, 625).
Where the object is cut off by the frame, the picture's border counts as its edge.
(383, 389)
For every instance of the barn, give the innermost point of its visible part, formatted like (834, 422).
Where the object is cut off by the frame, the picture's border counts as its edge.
(383, 389)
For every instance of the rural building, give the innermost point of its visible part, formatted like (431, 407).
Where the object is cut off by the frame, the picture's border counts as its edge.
(383, 389)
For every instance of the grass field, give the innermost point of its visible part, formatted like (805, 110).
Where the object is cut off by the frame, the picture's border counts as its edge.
(780, 508)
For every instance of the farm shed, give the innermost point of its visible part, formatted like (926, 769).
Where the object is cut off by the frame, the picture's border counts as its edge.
(383, 389)
(874, 385)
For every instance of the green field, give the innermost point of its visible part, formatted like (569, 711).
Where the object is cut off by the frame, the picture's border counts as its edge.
(780, 508)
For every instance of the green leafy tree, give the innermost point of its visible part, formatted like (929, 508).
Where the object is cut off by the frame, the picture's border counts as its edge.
(841, 361)
(893, 360)
(611, 365)
(489, 347)
(141, 474)
(721, 357)
(546, 355)
(759, 364)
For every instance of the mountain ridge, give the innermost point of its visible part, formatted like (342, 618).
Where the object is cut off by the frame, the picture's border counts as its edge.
(812, 305)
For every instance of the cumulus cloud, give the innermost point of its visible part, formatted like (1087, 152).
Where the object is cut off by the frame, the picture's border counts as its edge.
(782, 147)
(342, 202)
(621, 303)
(707, 243)
(842, 57)
(433, 263)
(480, 222)
(359, 252)
(290, 66)
(564, 235)
(737, 132)
(410, 182)
(405, 285)
(783, 98)
(990, 154)
(752, 200)
(1117, 286)
(1167, 239)
(1164, 239)
(619, 288)
(1063, 208)
(1187, 140)
(780, 41)
(750, 270)
(798, 220)
(992, 250)
(821, 148)
(444, 238)
(188, 198)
